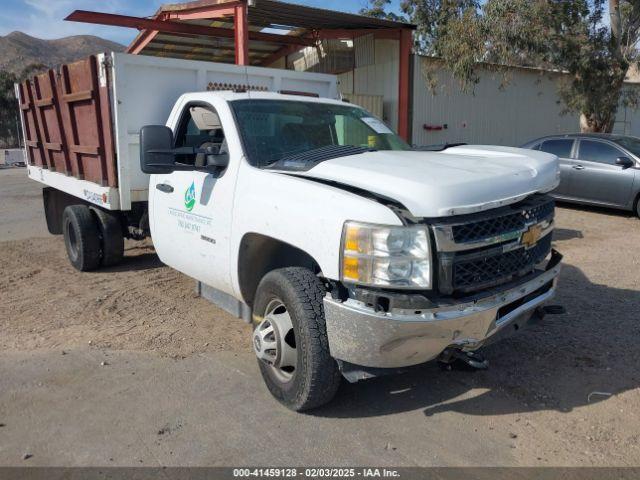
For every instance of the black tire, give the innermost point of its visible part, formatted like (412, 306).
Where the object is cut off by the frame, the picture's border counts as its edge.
(81, 237)
(317, 376)
(111, 237)
(638, 206)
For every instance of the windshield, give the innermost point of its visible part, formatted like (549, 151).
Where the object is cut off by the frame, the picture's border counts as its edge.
(276, 130)
(630, 143)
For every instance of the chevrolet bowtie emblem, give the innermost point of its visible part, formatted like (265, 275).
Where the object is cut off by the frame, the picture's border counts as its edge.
(531, 236)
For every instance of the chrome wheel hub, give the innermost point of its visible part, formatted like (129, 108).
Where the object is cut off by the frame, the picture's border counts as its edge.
(274, 341)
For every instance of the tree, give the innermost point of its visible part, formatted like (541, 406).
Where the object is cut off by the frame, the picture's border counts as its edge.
(9, 112)
(568, 35)
(377, 8)
(434, 19)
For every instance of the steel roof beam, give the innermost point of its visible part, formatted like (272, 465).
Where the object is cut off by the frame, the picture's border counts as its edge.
(204, 12)
(179, 42)
(142, 41)
(241, 30)
(274, 57)
(348, 34)
(176, 27)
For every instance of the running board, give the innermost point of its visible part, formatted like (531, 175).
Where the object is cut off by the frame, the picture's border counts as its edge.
(225, 301)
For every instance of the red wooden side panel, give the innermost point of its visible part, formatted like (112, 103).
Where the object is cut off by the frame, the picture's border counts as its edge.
(35, 155)
(50, 123)
(68, 122)
(90, 139)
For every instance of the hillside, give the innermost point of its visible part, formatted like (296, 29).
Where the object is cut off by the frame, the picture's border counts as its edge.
(17, 50)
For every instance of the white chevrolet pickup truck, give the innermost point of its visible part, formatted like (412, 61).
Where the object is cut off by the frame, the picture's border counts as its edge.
(352, 253)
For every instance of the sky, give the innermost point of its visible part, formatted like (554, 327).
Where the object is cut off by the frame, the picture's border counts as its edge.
(44, 18)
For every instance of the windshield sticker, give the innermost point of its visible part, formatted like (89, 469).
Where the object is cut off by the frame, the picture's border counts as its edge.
(190, 197)
(377, 125)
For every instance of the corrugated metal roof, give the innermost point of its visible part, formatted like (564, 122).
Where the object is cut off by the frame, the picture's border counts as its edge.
(269, 12)
(273, 12)
(291, 19)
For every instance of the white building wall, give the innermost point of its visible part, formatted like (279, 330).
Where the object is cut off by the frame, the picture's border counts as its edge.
(12, 156)
(377, 78)
(492, 112)
(628, 119)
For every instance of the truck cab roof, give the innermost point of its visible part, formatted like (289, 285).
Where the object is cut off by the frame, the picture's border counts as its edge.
(233, 95)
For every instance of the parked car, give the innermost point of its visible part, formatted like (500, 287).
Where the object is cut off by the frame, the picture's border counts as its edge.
(352, 254)
(596, 169)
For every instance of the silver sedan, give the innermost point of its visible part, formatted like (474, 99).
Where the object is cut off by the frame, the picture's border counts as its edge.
(596, 169)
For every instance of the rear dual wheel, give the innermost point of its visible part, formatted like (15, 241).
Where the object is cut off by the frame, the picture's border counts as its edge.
(291, 339)
(111, 238)
(92, 237)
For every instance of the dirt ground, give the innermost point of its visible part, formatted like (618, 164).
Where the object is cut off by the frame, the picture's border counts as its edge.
(140, 305)
(566, 392)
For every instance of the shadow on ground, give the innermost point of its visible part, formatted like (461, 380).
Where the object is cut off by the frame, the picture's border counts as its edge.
(562, 234)
(137, 258)
(614, 212)
(555, 365)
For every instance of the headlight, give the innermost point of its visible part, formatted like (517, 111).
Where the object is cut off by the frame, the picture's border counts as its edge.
(397, 257)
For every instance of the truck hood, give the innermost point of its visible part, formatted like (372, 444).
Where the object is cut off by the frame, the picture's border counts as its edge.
(456, 181)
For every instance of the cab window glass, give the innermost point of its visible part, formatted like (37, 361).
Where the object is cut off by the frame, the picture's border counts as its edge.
(199, 127)
(559, 147)
(598, 152)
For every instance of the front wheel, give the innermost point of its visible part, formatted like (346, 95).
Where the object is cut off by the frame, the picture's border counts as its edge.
(291, 339)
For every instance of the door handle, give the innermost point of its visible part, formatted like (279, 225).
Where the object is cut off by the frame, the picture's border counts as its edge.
(578, 167)
(163, 187)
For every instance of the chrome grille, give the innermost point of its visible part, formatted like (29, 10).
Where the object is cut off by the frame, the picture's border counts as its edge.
(485, 270)
(507, 220)
(479, 251)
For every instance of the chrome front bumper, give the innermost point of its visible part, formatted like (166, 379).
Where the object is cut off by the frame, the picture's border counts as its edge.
(401, 338)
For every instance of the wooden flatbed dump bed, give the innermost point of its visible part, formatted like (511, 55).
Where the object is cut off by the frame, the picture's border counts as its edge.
(81, 122)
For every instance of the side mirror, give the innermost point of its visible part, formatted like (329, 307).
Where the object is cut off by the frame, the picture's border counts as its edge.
(625, 162)
(156, 142)
(158, 156)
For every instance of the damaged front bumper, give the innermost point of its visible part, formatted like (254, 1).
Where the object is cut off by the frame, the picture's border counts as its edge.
(400, 338)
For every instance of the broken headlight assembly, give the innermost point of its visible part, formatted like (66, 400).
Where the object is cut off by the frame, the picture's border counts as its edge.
(386, 256)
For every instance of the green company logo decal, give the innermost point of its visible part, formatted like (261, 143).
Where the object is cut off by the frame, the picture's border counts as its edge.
(190, 197)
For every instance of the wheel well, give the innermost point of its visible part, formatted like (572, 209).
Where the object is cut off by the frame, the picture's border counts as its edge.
(260, 254)
(54, 202)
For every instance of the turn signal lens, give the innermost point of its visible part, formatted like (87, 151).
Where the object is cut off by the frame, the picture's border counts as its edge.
(351, 267)
(351, 241)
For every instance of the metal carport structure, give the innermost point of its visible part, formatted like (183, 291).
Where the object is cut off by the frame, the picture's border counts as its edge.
(255, 32)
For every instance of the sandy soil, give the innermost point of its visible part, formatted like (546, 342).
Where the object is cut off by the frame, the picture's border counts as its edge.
(569, 388)
(139, 305)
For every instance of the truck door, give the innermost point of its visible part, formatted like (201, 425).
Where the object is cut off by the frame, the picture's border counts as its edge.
(191, 210)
